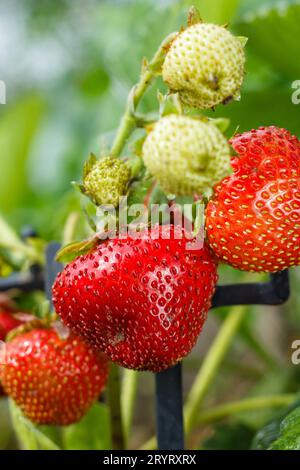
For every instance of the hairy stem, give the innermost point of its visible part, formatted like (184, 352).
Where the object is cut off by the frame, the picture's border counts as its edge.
(114, 394)
(211, 365)
(130, 121)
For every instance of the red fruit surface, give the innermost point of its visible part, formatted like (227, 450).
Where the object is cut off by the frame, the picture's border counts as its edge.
(8, 321)
(143, 301)
(253, 220)
(52, 380)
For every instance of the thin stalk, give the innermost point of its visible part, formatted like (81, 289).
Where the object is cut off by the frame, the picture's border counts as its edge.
(249, 404)
(114, 393)
(128, 398)
(130, 121)
(70, 227)
(211, 364)
(259, 349)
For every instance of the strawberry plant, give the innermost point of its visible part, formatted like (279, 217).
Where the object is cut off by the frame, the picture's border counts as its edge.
(175, 199)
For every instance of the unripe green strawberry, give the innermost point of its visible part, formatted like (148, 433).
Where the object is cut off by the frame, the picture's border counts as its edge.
(187, 156)
(205, 65)
(106, 181)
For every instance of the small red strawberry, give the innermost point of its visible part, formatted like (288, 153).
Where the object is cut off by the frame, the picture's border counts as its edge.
(143, 301)
(53, 380)
(253, 221)
(8, 322)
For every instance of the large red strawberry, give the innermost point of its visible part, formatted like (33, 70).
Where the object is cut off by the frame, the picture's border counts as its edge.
(253, 221)
(53, 380)
(143, 301)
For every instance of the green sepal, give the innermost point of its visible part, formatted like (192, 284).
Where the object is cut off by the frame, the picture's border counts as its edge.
(137, 146)
(169, 104)
(243, 40)
(74, 249)
(78, 186)
(194, 16)
(221, 123)
(88, 164)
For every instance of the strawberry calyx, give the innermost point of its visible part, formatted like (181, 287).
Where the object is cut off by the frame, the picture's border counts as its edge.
(32, 324)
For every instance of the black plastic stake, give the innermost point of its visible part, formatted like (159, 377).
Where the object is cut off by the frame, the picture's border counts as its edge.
(170, 432)
(169, 409)
(274, 292)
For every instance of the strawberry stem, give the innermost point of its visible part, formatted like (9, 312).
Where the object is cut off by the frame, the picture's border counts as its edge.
(248, 404)
(130, 121)
(114, 402)
(128, 397)
(70, 228)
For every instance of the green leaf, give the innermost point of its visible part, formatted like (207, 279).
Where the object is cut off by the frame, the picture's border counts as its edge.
(5, 424)
(266, 436)
(230, 437)
(280, 21)
(91, 433)
(32, 437)
(289, 434)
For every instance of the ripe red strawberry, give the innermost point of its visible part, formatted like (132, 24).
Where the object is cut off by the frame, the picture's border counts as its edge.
(53, 380)
(8, 322)
(253, 221)
(143, 301)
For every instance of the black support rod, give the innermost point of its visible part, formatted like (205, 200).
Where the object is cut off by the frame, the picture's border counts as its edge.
(169, 409)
